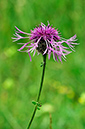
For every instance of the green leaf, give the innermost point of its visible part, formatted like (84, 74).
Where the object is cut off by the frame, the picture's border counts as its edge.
(34, 102)
(38, 108)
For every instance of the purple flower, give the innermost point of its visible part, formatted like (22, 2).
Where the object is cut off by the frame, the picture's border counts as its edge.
(46, 40)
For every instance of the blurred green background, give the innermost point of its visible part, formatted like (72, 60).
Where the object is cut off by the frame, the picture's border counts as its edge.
(63, 92)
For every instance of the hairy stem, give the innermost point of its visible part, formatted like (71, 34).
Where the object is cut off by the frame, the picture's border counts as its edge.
(41, 84)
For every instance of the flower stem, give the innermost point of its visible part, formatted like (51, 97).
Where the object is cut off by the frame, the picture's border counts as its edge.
(41, 84)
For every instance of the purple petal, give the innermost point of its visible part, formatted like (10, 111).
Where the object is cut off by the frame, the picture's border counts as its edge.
(23, 46)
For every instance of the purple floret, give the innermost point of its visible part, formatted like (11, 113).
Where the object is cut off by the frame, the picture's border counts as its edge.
(46, 40)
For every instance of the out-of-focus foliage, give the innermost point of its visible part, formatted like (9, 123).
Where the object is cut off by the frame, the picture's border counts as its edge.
(63, 92)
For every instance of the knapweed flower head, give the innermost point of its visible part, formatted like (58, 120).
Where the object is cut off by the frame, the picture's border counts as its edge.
(46, 40)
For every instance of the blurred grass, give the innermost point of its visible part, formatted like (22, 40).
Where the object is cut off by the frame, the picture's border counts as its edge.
(64, 86)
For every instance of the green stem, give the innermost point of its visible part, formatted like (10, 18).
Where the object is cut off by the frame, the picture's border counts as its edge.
(41, 84)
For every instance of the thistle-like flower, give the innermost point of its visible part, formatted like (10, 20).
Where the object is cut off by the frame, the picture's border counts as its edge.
(46, 40)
